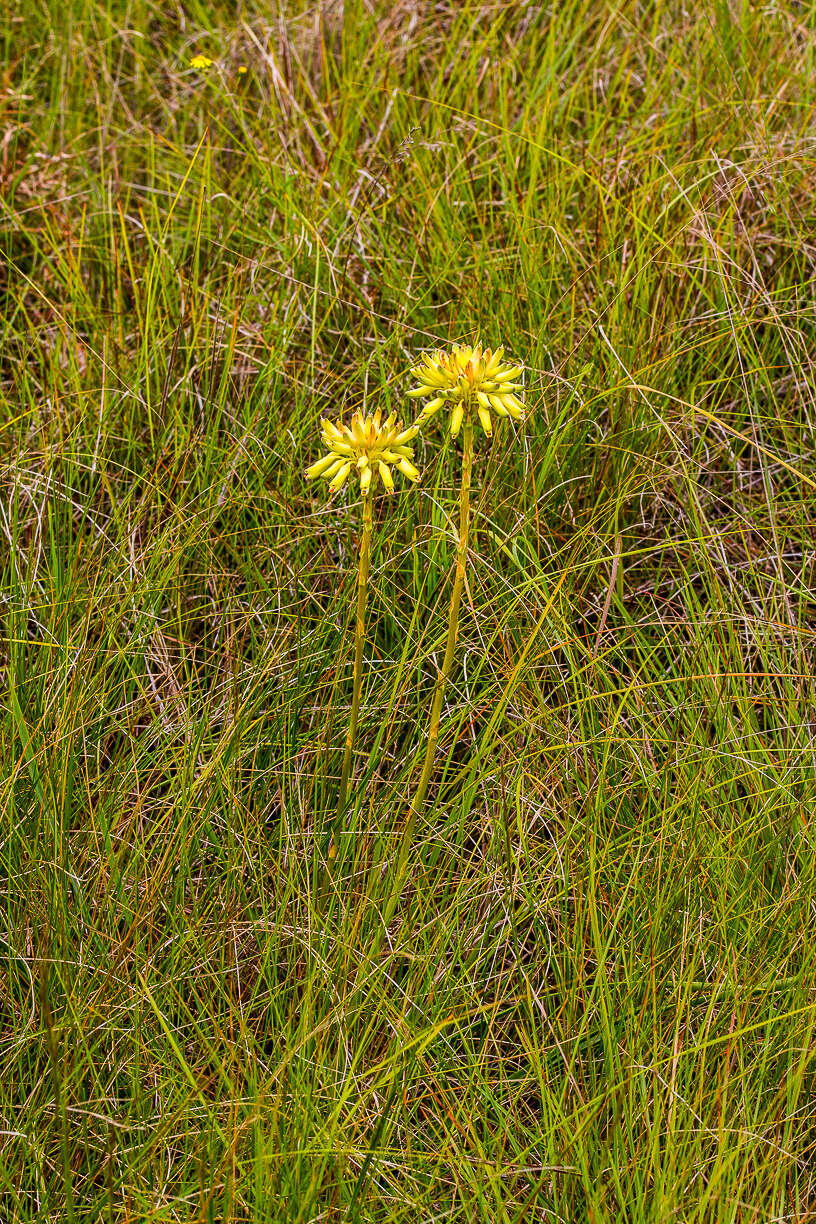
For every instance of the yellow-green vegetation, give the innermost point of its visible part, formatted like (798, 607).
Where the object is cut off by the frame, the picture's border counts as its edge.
(591, 998)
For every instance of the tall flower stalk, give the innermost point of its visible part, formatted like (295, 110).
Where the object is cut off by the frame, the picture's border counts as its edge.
(368, 448)
(453, 620)
(471, 382)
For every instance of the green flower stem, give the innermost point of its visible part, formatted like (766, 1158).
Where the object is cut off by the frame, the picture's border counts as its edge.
(359, 639)
(450, 650)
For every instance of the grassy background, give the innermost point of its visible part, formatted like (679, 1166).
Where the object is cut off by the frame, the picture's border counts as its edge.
(595, 1001)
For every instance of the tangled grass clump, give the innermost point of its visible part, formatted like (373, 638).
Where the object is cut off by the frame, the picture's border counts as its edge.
(541, 948)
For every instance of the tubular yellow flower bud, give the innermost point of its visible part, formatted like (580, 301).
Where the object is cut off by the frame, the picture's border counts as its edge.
(340, 478)
(322, 465)
(368, 447)
(386, 477)
(484, 417)
(431, 407)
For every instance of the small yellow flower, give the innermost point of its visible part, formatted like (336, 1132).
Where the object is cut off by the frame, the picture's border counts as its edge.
(468, 376)
(201, 62)
(242, 68)
(369, 447)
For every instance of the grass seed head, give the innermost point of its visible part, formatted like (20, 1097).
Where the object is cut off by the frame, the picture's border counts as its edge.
(468, 375)
(368, 448)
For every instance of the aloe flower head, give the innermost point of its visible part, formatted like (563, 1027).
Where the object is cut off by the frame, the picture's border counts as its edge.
(368, 448)
(468, 375)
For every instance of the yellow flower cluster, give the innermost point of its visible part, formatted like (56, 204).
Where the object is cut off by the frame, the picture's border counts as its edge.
(202, 62)
(468, 375)
(370, 447)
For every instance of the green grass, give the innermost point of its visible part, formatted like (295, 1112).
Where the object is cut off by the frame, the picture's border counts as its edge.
(595, 1000)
